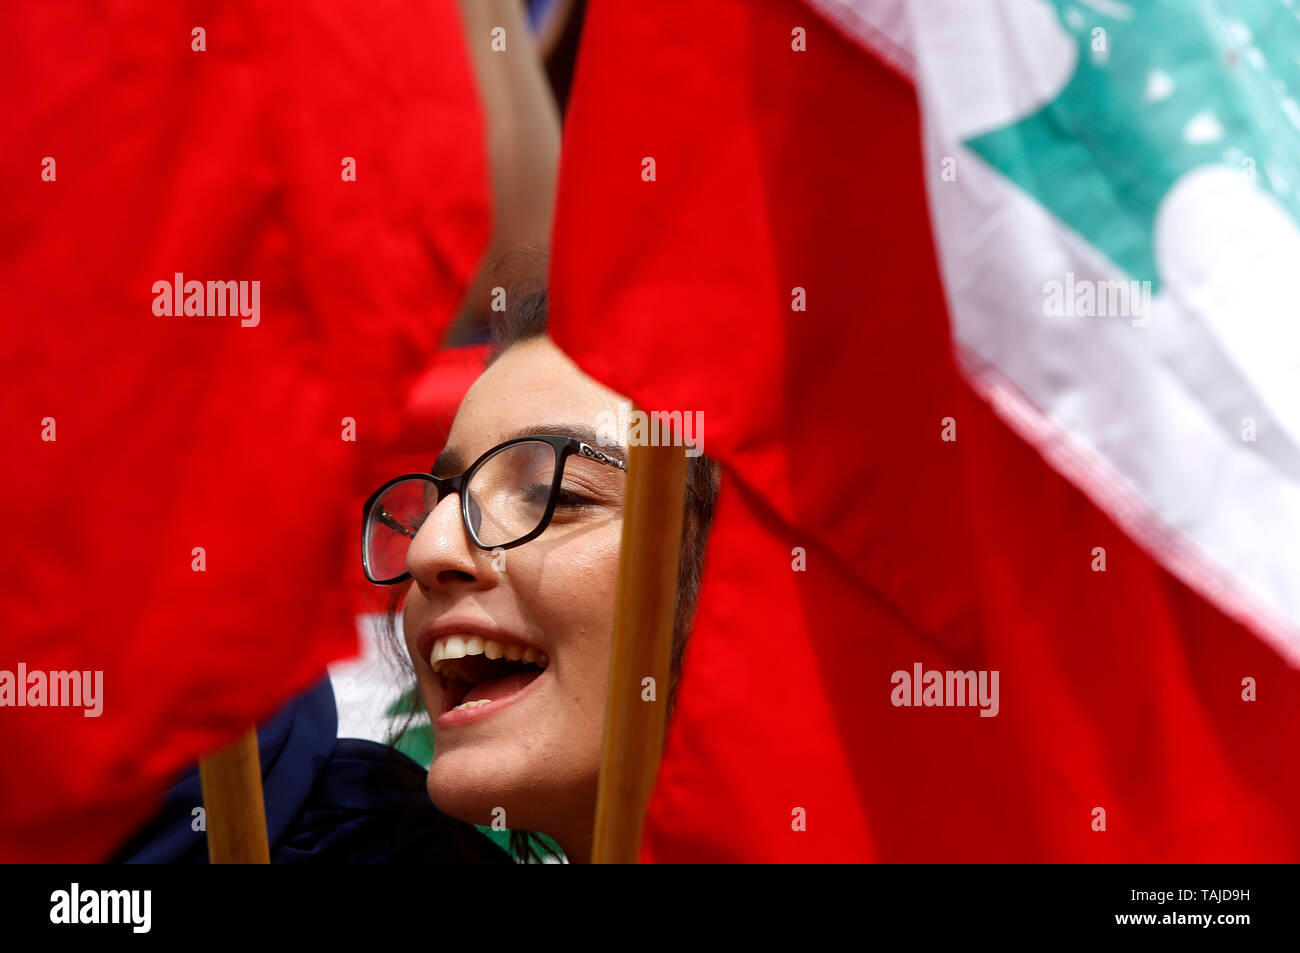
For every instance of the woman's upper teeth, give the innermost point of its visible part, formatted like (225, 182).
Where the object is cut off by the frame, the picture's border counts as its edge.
(457, 646)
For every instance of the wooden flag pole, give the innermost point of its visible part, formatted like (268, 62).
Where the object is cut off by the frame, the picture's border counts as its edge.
(234, 813)
(636, 712)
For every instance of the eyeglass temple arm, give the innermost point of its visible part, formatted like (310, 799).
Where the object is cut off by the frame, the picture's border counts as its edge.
(386, 519)
(589, 451)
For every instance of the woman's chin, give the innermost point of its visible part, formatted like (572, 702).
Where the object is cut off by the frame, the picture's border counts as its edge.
(506, 796)
(460, 787)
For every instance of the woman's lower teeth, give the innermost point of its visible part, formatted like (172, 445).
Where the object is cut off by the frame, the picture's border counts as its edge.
(474, 704)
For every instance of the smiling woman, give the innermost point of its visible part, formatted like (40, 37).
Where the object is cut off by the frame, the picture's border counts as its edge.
(507, 556)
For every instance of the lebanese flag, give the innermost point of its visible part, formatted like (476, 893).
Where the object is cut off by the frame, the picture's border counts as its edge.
(844, 232)
(182, 490)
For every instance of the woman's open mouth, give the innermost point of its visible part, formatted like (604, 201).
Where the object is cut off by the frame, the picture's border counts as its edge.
(478, 675)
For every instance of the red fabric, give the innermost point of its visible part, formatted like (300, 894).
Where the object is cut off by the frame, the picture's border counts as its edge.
(1119, 690)
(425, 423)
(183, 432)
(435, 398)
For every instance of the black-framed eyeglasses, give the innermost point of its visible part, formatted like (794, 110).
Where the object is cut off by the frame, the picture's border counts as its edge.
(507, 497)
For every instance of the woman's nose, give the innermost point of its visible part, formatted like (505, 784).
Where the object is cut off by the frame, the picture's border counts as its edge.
(441, 557)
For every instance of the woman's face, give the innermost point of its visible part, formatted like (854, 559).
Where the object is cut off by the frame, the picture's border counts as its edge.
(533, 747)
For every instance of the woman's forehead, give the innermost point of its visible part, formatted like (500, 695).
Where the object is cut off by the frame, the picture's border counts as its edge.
(532, 384)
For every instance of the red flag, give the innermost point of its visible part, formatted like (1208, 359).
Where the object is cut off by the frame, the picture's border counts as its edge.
(183, 469)
(742, 230)
(425, 423)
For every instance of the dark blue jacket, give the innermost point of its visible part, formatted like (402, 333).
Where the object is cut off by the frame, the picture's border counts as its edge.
(328, 800)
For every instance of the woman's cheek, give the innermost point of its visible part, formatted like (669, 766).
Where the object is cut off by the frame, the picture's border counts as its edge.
(413, 607)
(592, 582)
(598, 589)
(414, 610)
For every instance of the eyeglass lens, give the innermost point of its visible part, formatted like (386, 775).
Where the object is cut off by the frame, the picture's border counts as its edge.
(505, 501)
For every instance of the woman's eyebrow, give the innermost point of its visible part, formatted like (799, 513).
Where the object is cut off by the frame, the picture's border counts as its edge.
(451, 460)
(448, 462)
(580, 432)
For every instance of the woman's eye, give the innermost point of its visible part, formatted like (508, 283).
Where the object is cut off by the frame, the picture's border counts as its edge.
(537, 495)
(572, 500)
